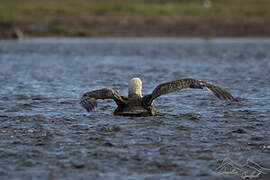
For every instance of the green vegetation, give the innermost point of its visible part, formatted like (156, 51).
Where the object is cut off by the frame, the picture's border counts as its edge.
(16, 8)
(83, 16)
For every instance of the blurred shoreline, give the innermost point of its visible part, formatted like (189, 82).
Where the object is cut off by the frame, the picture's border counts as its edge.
(146, 30)
(135, 18)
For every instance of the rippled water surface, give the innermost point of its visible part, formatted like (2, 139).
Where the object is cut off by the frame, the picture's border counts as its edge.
(45, 134)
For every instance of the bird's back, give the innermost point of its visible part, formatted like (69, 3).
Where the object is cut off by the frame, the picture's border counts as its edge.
(134, 107)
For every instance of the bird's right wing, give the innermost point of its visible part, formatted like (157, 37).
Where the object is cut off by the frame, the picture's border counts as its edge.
(173, 86)
(88, 100)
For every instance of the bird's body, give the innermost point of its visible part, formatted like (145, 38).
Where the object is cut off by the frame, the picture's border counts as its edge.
(135, 107)
(138, 105)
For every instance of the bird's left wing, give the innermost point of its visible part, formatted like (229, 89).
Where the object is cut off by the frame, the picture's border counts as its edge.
(88, 100)
(172, 86)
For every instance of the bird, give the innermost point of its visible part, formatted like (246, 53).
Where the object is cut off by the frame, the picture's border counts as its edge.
(138, 105)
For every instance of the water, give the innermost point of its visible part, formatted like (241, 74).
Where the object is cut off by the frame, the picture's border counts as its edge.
(45, 134)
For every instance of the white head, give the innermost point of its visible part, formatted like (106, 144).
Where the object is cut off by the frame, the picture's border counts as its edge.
(135, 88)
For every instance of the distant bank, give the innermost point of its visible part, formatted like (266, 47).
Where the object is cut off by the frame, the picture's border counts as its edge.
(135, 18)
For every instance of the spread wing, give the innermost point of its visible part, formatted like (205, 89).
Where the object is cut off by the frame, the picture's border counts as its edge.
(88, 100)
(169, 87)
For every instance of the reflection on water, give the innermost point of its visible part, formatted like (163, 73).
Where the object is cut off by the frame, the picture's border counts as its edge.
(45, 133)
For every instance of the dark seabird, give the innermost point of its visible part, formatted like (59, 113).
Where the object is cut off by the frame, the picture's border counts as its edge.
(137, 105)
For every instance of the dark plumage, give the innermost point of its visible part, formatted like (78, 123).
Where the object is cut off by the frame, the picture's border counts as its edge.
(137, 105)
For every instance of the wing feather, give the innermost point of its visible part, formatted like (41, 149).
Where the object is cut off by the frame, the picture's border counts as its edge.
(173, 86)
(89, 99)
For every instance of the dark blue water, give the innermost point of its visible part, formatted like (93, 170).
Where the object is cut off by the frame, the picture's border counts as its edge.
(45, 134)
